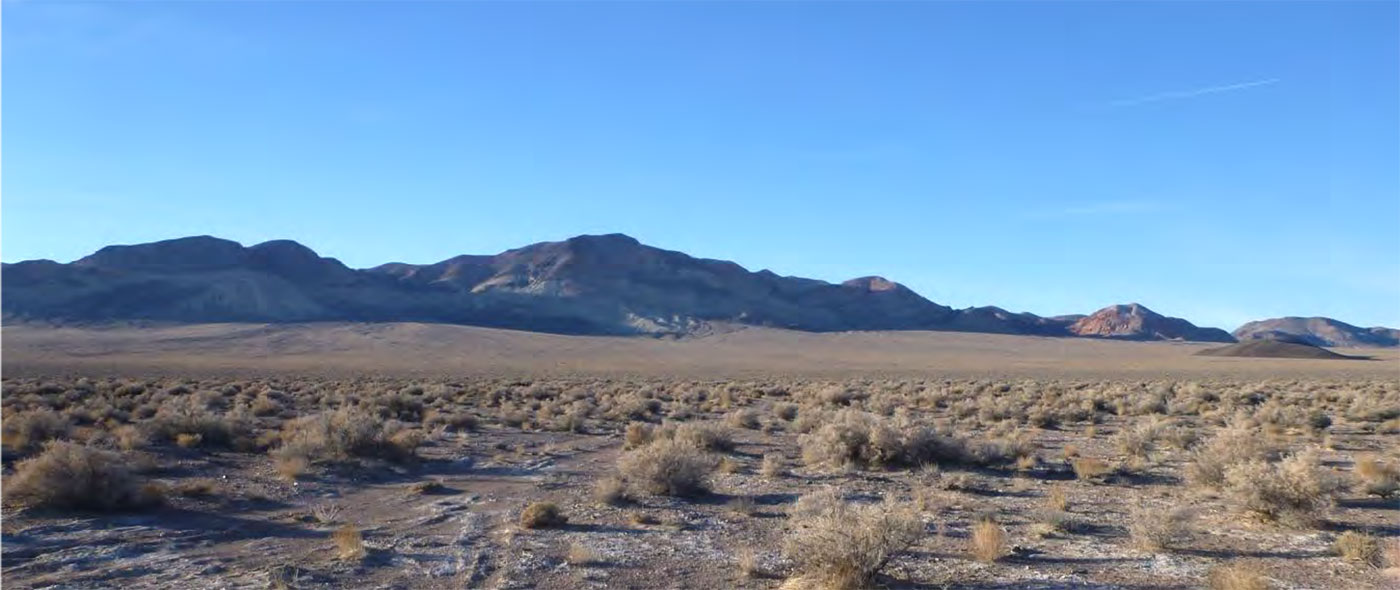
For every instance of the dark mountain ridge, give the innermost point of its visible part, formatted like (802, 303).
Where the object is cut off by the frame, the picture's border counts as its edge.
(594, 284)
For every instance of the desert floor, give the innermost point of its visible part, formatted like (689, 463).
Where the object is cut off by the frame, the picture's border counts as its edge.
(407, 455)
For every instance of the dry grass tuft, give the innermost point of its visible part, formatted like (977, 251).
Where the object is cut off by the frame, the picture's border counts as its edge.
(1089, 468)
(1156, 529)
(610, 491)
(349, 543)
(197, 488)
(1237, 576)
(642, 519)
(542, 515)
(1057, 499)
(987, 542)
(749, 564)
(638, 434)
(1358, 548)
(582, 555)
(743, 506)
(290, 467)
(426, 487)
(772, 466)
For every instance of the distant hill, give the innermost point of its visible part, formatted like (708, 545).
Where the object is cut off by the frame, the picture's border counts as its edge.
(1135, 322)
(1319, 332)
(596, 284)
(1276, 349)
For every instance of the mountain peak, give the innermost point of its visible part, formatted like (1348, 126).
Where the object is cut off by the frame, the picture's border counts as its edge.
(1133, 321)
(1318, 331)
(613, 238)
(292, 260)
(873, 284)
(191, 253)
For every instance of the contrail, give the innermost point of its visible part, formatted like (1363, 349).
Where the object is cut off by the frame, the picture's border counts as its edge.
(1180, 94)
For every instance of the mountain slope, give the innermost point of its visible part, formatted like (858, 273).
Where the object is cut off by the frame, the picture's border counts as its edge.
(602, 284)
(1318, 332)
(1135, 322)
(588, 284)
(1276, 349)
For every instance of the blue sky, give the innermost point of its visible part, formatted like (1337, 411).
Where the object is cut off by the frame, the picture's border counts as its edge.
(1220, 161)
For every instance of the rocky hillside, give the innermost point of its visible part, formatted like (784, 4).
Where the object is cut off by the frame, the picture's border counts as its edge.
(1318, 332)
(604, 284)
(1135, 322)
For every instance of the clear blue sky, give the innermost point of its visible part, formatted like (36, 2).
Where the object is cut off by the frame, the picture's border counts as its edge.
(1220, 161)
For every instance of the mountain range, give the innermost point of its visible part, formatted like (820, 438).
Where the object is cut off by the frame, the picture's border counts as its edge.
(1317, 332)
(593, 284)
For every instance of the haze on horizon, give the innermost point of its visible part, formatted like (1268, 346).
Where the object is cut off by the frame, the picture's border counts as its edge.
(1218, 162)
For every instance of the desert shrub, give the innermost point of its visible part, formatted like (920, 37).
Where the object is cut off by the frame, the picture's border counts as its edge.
(743, 506)
(542, 515)
(1231, 446)
(26, 432)
(265, 405)
(128, 437)
(729, 465)
(743, 418)
(987, 541)
(667, 467)
(1237, 576)
(1377, 478)
(1293, 492)
(187, 416)
(772, 465)
(816, 503)
(1140, 440)
(290, 466)
(1358, 547)
(404, 443)
(610, 490)
(451, 421)
(1050, 522)
(843, 546)
(1390, 554)
(636, 435)
(67, 475)
(1156, 529)
(197, 488)
(342, 435)
(702, 435)
(1004, 450)
(851, 438)
(402, 407)
(1090, 468)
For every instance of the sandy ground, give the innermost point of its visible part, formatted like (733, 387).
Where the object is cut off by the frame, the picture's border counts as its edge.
(435, 349)
(258, 529)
